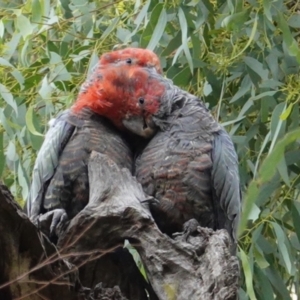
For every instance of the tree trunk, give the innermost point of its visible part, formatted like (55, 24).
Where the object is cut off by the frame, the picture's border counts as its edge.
(201, 268)
(193, 267)
(29, 265)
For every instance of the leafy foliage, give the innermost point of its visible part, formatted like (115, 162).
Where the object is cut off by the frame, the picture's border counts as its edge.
(242, 57)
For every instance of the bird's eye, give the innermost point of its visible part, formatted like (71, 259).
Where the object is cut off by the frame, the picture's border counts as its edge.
(141, 100)
(129, 61)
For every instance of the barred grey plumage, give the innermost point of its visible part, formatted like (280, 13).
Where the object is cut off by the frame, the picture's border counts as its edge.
(190, 165)
(60, 178)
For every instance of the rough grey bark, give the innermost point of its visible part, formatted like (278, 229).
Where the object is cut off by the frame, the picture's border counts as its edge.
(200, 267)
(29, 265)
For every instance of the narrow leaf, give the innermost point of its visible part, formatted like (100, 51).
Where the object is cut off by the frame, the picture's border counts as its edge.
(257, 67)
(288, 37)
(296, 217)
(24, 26)
(285, 114)
(251, 38)
(184, 37)
(8, 98)
(36, 11)
(29, 121)
(23, 182)
(248, 275)
(281, 240)
(110, 28)
(152, 24)
(158, 31)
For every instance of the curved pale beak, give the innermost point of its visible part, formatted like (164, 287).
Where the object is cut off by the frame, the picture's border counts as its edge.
(140, 125)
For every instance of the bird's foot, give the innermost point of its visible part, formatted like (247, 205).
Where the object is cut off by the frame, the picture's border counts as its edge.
(52, 223)
(190, 227)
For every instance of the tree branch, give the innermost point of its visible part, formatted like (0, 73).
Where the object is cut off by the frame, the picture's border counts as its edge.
(201, 268)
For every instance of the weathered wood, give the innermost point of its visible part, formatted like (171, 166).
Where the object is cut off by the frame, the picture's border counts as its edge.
(88, 244)
(201, 268)
(29, 265)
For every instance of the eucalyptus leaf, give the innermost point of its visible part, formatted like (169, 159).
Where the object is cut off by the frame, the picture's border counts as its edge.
(8, 97)
(29, 121)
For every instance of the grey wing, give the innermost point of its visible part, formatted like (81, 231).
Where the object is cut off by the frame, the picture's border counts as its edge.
(46, 162)
(226, 184)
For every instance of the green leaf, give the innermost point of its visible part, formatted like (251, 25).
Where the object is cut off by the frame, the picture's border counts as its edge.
(243, 89)
(110, 28)
(261, 150)
(254, 213)
(246, 107)
(24, 26)
(251, 38)
(236, 21)
(5, 63)
(265, 174)
(257, 67)
(29, 121)
(93, 61)
(36, 141)
(37, 12)
(23, 181)
(290, 42)
(11, 46)
(46, 89)
(248, 275)
(207, 89)
(267, 189)
(282, 240)
(11, 152)
(182, 77)
(267, 9)
(8, 98)
(296, 217)
(151, 26)
(278, 282)
(59, 71)
(259, 258)
(158, 31)
(277, 125)
(283, 171)
(264, 94)
(265, 286)
(173, 44)
(285, 114)
(65, 5)
(184, 38)
(294, 21)
(238, 119)
(142, 15)
(268, 168)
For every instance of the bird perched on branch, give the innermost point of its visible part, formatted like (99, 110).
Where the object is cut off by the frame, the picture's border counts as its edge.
(190, 165)
(94, 123)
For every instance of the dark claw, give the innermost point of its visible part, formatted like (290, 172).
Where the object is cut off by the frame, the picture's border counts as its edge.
(150, 200)
(189, 227)
(52, 222)
(59, 219)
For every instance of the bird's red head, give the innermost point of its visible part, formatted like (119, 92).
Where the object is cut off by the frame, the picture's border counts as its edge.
(133, 56)
(126, 95)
